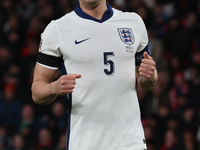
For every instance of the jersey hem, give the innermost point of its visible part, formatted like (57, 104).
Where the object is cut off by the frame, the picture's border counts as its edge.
(136, 148)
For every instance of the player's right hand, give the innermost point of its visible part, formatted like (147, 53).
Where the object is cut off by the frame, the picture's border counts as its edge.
(65, 84)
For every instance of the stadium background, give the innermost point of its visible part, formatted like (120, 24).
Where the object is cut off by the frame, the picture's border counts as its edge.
(170, 112)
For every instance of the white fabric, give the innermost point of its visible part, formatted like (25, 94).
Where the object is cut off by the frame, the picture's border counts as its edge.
(105, 111)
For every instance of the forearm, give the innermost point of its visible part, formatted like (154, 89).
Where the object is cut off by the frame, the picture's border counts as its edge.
(149, 84)
(42, 92)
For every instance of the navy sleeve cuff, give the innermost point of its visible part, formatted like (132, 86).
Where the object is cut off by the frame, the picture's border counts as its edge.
(139, 56)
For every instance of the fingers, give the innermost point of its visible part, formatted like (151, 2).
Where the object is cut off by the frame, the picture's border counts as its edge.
(67, 90)
(147, 66)
(148, 59)
(146, 56)
(72, 76)
(67, 83)
(69, 79)
(78, 76)
(146, 70)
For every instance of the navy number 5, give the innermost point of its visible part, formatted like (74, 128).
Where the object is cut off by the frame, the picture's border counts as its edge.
(108, 62)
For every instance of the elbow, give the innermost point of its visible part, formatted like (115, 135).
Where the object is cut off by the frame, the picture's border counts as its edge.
(40, 96)
(39, 101)
(35, 100)
(34, 97)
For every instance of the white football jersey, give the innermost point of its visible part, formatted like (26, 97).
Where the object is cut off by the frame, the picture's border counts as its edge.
(103, 109)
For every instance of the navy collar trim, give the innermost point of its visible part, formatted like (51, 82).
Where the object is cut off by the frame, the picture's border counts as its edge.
(107, 15)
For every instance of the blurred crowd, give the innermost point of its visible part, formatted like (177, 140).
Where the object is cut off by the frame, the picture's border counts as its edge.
(170, 113)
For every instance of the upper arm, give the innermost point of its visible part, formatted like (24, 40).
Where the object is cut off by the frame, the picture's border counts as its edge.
(48, 62)
(49, 57)
(42, 85)
(43, 74)
(143, 42)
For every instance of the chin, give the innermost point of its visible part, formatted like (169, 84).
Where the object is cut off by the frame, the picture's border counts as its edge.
(92, 3)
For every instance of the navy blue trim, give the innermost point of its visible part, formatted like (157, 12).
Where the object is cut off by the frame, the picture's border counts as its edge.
(139, 56)
(69, 119)
(62, 68)
(107, 15)
(69, 106)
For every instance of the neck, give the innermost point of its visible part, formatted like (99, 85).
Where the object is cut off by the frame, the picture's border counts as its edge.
(95, 11)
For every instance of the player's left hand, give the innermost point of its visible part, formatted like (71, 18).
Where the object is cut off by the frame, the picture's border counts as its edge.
(147, 67)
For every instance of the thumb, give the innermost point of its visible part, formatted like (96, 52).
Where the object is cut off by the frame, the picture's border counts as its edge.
(146, 56)
(78, 76)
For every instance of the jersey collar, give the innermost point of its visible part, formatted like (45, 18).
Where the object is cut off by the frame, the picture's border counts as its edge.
(107, 15)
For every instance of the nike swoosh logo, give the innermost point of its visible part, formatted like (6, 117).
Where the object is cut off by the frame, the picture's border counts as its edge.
(78, 42)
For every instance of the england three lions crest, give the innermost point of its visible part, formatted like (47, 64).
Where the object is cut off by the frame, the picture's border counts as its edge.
(126, 35)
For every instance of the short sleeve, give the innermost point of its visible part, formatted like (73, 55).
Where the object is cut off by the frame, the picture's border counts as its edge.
(49, 50)
(143, 46)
